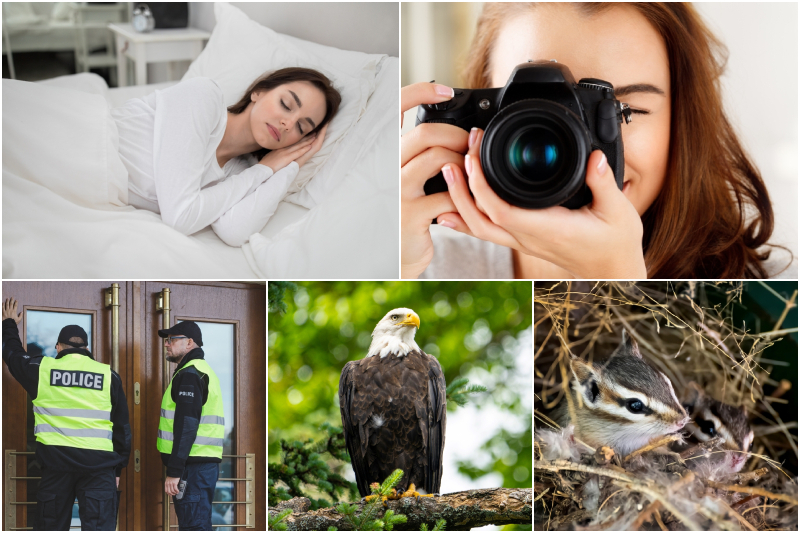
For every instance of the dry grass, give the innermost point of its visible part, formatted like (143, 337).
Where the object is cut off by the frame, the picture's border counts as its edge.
(682, 335)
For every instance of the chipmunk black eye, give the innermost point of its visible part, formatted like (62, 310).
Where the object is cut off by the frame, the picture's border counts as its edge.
(707, 427)
(595, 391)
(635, 406)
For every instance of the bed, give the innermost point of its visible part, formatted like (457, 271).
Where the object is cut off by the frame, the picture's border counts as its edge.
(63, 214)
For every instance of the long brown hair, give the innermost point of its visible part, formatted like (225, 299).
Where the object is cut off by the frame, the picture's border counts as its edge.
(271, 80)
(713, 212)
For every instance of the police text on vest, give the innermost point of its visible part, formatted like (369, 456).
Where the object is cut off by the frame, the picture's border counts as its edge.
(76, 378)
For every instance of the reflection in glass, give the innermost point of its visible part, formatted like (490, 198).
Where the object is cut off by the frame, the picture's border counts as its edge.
(41, 335)
(43, 327)
(218, 347)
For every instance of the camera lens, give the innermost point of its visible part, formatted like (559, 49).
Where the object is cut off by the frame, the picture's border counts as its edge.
(536, 154)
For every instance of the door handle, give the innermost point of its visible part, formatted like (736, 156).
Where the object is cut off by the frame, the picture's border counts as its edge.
(162, 304)
(112, 301)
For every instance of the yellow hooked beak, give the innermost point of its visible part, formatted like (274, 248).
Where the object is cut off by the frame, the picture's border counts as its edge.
(411, 320)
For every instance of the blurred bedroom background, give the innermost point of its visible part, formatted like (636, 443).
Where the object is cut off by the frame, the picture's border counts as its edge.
(43, 40)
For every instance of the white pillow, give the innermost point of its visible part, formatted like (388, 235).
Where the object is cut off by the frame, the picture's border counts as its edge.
(240, 50)
(372, 122)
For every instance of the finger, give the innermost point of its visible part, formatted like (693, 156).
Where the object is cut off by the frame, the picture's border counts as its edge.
(454, 221)
(606, 197)
(425, 166)
(429, 207)
(479, 224)
(497, 209)
(424, 136)
(423, 93)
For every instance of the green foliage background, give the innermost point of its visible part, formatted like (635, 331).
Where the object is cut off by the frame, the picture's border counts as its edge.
(464, 324)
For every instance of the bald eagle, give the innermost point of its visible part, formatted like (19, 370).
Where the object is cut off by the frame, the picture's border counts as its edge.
(393, 404)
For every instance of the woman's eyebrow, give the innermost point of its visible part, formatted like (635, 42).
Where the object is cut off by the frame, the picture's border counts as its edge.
(637, 88)
(296, 99)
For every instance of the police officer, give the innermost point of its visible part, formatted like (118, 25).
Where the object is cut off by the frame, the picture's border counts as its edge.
(81, 427)
(191, 429)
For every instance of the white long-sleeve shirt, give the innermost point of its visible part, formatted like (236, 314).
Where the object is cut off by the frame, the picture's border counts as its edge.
(168, 142)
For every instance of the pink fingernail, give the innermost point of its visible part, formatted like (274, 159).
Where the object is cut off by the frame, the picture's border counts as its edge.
(602, 165)
(468, 164)
(448, 174)
(443, 90)
(446, 224)
(472, 134)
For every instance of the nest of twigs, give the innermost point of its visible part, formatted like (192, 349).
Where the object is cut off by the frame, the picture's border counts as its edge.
(688, 339)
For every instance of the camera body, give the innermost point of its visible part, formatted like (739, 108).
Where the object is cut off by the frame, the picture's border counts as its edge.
(539, 132)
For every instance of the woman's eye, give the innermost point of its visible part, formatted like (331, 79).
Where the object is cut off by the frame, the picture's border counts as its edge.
(635, 406)
(640, 111)
(285, 106)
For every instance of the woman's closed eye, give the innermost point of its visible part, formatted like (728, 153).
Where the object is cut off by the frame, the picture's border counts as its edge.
(299, 127)
(640, 111)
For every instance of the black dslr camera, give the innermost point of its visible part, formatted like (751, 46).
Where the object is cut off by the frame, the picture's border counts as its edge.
(539, 131)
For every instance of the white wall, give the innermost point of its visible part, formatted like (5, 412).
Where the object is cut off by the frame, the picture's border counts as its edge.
(760, 93)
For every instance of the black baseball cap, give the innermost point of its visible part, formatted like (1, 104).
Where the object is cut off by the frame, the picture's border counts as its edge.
(187, 327)
(71, 332)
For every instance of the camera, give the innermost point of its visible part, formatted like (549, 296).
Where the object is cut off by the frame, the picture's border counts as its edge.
(539, 132)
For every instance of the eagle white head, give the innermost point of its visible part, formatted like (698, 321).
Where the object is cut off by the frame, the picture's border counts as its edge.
(395, 333)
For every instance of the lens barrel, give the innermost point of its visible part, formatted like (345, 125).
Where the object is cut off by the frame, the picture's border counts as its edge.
(534, 153)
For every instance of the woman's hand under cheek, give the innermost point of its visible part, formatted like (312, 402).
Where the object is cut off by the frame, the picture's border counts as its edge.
(316, 143)
(277, 159)
(601, 240)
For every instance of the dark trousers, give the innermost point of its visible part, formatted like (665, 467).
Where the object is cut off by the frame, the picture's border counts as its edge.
(96, 492)
(194, 509)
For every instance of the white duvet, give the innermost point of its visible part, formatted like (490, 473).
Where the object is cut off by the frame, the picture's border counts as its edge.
(64, 192)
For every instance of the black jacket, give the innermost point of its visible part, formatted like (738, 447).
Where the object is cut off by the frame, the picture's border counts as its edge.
(188, 408)
(25, 369)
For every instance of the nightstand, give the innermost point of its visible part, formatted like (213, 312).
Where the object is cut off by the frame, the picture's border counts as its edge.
(153, 47)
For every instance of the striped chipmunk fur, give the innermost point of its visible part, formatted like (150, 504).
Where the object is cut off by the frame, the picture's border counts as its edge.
(711, 418)
(621, 402)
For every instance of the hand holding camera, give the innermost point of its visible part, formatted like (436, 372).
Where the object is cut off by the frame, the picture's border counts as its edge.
(424, 151)
(532, 175)
(601, 240)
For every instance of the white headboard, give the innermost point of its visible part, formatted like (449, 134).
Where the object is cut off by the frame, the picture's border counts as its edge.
(371, 27)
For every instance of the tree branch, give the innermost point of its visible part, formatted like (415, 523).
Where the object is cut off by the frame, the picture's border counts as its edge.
(462, 510)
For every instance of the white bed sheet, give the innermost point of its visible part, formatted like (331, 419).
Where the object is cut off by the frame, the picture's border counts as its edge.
(41, 229)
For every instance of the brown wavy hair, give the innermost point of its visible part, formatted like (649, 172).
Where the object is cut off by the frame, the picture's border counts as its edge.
(271, 80)
(713, 212)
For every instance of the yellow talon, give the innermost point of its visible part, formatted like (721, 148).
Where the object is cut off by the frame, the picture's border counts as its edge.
(412, 493)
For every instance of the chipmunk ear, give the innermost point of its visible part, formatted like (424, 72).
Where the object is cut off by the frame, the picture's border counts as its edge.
(690, 395)
(587, 377)
(628, 346)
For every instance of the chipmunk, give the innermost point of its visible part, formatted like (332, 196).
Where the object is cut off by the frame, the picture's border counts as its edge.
(625, 403)
(711, 418)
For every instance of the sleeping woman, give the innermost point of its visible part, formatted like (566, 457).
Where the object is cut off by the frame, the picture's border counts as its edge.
(199, 164)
